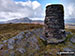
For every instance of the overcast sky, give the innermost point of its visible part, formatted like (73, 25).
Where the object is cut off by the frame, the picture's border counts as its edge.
(34, 9)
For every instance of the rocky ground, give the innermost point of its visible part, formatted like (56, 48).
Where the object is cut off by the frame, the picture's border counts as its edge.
(30, 43)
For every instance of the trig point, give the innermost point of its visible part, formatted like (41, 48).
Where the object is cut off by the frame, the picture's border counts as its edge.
(54, 23)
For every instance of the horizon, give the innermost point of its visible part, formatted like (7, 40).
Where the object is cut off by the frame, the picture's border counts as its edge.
(33, 9)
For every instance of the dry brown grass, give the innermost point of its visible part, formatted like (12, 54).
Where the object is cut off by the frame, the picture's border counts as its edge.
(9, 30)
(70, 30)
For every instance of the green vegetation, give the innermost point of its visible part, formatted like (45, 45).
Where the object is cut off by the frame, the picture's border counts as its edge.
(68, 37)
(71, 30)
(10, 30)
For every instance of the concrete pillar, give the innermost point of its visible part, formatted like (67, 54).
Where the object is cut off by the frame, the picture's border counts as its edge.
(54, 23)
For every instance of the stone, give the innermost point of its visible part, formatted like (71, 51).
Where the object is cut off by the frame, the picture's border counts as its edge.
(12, 53)
(54, 23)
(5, 52)
(43, 38)
(67, 49)
(4, 41)
(11, 41)
(19, 36)
(22, 50)
(1, 45)
(68, 33)
(10, 46)
(73, 39)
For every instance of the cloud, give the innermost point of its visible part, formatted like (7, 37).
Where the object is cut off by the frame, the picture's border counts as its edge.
(69, 6)
(10, 9)
(34, 3)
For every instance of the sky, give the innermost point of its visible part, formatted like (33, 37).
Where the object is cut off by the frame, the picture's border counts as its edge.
(33, 9)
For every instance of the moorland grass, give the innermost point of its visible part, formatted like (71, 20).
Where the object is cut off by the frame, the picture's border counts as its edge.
(10, 30)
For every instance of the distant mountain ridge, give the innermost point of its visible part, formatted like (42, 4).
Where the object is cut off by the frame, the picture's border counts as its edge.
(23, 20)
(71, 20)
(2, 22)
(27, 20)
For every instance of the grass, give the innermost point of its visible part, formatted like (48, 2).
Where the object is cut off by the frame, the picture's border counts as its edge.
(68, 37)
(71, 30)
(10, 30)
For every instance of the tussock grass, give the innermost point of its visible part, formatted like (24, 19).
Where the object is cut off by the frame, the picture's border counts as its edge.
(71, 30)
(10, 30)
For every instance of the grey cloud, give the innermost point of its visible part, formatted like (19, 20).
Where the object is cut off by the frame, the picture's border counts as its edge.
(69, 6)
(10, 9)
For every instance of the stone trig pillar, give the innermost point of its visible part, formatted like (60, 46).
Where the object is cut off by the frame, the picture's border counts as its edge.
(54, 23)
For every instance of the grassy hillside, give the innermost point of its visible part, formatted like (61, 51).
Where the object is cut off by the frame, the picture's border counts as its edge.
(30, 44)
(10, 30)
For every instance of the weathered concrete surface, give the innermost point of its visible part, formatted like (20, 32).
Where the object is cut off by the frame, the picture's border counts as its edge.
(54, 23)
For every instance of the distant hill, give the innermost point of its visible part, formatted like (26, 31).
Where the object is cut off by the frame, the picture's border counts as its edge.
(23, 20)
(37, 21)
(71, 20)
(2, 22)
